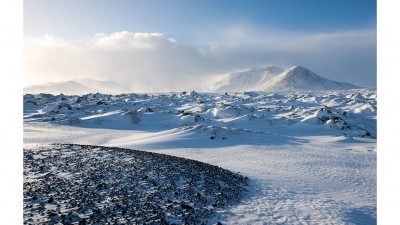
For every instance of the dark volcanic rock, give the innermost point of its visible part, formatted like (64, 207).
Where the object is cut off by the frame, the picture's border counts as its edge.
(84, 184)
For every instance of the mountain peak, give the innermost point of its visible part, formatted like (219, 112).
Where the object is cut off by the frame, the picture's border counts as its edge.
(298, 68)
(272, 78)
(302, 73)
(300, 78)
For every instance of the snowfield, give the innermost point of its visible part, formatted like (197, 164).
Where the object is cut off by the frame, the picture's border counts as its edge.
(310, 156)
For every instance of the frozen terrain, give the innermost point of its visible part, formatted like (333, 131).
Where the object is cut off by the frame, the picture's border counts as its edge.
(310, 156)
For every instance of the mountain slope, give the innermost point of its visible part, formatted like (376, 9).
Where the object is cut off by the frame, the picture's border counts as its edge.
(245, 80)
(79, 86)
(272, 78)
(300, 78)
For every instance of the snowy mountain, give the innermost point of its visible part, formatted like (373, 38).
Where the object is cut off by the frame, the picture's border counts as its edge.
(77, 87)
(300, 78)
(245, 80)
(272, 78)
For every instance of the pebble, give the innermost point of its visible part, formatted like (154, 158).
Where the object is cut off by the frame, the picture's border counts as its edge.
(86, 184)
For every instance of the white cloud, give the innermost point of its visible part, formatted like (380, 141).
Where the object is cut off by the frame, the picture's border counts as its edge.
(146, 61)
(125, 39)
(153, 62)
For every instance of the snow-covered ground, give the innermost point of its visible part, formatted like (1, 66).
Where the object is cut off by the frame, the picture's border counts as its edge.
(310, 156)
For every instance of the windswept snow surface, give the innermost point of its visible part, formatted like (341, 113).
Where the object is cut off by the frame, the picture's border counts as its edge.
(310, 156)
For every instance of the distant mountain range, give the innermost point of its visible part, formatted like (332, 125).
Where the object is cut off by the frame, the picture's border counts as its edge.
(78, 87)
(272, 78)
(269, 78)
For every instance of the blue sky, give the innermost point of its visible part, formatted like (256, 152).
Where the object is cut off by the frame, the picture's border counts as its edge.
(184, 20)
(336, 39)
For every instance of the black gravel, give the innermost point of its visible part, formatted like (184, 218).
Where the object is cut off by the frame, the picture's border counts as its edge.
(82, 184)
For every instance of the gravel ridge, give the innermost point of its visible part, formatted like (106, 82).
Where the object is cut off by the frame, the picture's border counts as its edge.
(84, 184)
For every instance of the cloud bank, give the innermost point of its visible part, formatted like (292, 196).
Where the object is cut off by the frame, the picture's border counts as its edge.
(153, 62)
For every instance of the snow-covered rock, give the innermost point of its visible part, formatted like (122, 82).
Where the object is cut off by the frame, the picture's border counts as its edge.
(352, 114)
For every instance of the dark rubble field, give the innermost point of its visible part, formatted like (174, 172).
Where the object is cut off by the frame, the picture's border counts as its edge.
(82, 184)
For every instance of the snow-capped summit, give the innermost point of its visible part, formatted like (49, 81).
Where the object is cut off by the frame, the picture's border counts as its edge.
(272, 78)
(245, 80)
(300, 78)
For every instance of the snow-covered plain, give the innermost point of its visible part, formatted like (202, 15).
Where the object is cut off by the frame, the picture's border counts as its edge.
(310, 156)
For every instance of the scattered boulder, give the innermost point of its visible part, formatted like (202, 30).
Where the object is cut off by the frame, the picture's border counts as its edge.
(62, 105)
